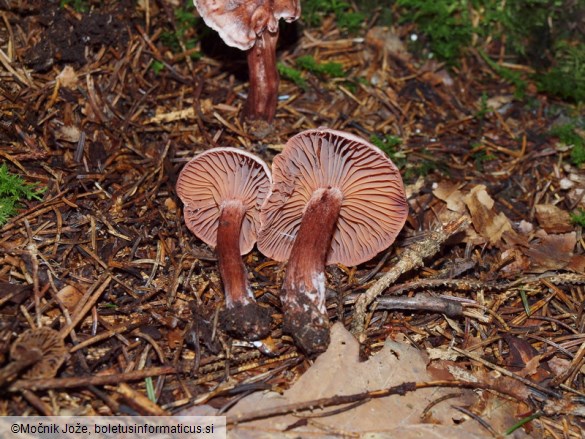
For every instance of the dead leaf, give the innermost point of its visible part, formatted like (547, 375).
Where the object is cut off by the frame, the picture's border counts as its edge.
(339, 371)
(558, 365)
(383, 39)
(577, 264)
(551, 252)
(552, 219)
(489, 224)
(520, 263)
(68, 78)
(497, 102)
(69, 296)
(174, 337)
(524, 360)
(450, 194)
(68, 133)
(18, 293)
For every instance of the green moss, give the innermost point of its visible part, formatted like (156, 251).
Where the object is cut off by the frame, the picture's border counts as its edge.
(480, 157)
(544, 34)
(12, 189)
(76, 5)
(330, 69)
(569, 136)
(445, 23)
(578, 218)
(484, 109)
(346, 17)
(511, 76)
(389, 144)
(157, 66)
(291, 74)
(566, 78)
(185, 22)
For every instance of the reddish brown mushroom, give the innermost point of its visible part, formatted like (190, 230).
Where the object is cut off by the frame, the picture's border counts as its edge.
(44, 341)
(252, 25)
(335, 198)
(222, 190)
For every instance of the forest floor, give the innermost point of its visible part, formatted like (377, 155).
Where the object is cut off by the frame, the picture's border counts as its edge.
(102, 115)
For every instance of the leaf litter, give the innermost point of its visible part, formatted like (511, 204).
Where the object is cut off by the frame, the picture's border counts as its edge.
(105, 260)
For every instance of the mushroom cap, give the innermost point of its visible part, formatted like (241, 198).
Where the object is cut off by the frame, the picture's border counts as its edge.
(374, 206)
(51, 346)
(239, 22)
(219, 175)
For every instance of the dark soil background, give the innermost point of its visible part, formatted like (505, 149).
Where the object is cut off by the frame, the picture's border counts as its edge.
(102, 114)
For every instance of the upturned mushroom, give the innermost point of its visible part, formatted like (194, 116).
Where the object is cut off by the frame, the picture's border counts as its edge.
(335, 198)
(222, 190)
(252, 25)
(41, 350)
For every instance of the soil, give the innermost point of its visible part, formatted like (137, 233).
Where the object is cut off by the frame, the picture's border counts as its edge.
(105, 258)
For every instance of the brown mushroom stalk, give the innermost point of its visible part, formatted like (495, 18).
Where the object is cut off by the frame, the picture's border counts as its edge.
(263, 76)
(304, 283)
(223, 189)
(242, 316)
(231, 267)
(252, 25)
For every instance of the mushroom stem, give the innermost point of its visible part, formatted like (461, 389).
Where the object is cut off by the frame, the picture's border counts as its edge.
(263, 92)
(305, 315)
(231, 267)
(242, 317)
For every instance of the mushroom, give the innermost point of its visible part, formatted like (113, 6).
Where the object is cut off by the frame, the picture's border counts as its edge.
(222, 190)
(335, 198)
(252, 25)
(42, 350)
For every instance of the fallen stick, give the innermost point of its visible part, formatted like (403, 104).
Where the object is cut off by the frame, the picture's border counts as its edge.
(412, 258)
(401, 389)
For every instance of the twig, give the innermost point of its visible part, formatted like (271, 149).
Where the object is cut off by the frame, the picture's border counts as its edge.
(110, 333)
(507, 373)
(93, 380)
(422, 302)
(412, 258)
(321, 403)
(86, 303)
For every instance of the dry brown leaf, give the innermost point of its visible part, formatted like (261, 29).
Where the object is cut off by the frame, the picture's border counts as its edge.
(489, 224)
(552, 219)
(69, 296)
(524, 360)
(68, 78)
(558, 365)
(385, 40)
(577, 264)
(68, 133)
(551, 252)
(497, 102)
(450, 194)
(174, 337)
(520, 263)
(340, 372)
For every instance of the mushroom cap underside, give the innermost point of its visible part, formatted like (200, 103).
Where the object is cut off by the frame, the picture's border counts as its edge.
(239, 22)
(49, 343)
(217, 176)
(374, 206)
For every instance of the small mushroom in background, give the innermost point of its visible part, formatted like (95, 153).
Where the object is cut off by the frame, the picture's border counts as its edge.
(335, 198)
(252, 25)
(222, 190)
(39, 351)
